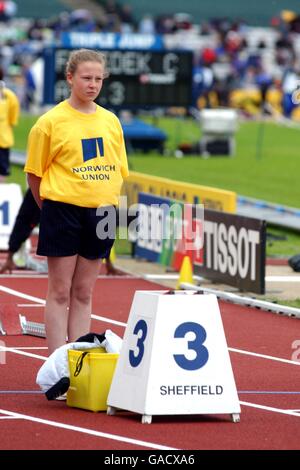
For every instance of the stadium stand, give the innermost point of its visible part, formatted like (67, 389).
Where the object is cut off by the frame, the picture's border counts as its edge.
(252, 68)
(29, 8)
(256, 13)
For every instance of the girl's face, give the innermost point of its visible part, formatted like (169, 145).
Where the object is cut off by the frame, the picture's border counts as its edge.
(87, 81)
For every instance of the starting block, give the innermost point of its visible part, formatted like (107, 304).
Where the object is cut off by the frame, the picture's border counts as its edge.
(32, 328)
(9, 320)
(13, 323)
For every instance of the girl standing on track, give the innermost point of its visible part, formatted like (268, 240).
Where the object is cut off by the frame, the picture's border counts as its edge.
(76, 163)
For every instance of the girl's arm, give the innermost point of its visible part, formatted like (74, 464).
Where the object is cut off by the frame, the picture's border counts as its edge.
(34, 184)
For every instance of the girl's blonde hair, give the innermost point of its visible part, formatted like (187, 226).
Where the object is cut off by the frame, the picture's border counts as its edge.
(86, 55)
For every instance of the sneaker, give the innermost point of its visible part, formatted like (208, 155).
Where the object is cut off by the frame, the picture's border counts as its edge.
(58, 390)
(61, 397)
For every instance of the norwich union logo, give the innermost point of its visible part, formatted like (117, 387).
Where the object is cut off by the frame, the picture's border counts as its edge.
(91, 148)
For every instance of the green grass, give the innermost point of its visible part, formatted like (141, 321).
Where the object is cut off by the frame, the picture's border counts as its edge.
(17, 176)
(21, 135)
(123, 247)
(22, 130)
(292, 303)
(281, 242)
(271, 174)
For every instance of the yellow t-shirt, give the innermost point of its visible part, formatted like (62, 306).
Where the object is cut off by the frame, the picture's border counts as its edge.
(80, 157)
(9, 115)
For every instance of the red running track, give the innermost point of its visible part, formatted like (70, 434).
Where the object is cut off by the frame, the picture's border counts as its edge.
(260, 346)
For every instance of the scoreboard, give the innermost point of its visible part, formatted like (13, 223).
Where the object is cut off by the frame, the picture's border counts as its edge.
(137, 78)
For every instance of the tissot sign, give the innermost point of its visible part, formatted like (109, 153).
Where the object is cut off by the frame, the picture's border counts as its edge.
(223, 247)
(234, 251)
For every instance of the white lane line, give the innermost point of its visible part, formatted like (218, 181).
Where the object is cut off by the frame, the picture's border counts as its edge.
(282, 278)
(8, 417)
(264, 356)
(270, 408)
(22, 353)
(199, 278)
(42, 303)
(162, 276)
(8, 348)
(171, 277)
(21, 392)
(16, 293)
(29, 274)
(31, 305)
(108, 320)
(24, 275)
(114, 437)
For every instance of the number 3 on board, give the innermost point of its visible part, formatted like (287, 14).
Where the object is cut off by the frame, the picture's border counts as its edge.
(195, 345)
(136, 360)
(181, 360)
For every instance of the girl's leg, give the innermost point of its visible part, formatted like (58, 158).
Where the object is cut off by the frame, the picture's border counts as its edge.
(61, 272)
(83, 282)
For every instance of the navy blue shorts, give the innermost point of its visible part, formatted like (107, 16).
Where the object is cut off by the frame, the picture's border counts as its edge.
(68, 230)
(4, 162)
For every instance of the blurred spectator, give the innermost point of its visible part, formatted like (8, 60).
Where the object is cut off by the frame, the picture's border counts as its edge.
(147, 25)
(209, 56)
(9, 115)
(290, 82)
(203, 84)
(183, 21)
(2, 12)
(165, 24)
(264, 81)
(239, 51)
(126, 15)
(295, 24)
(8, 10)
(29, 87)
(82, 20)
